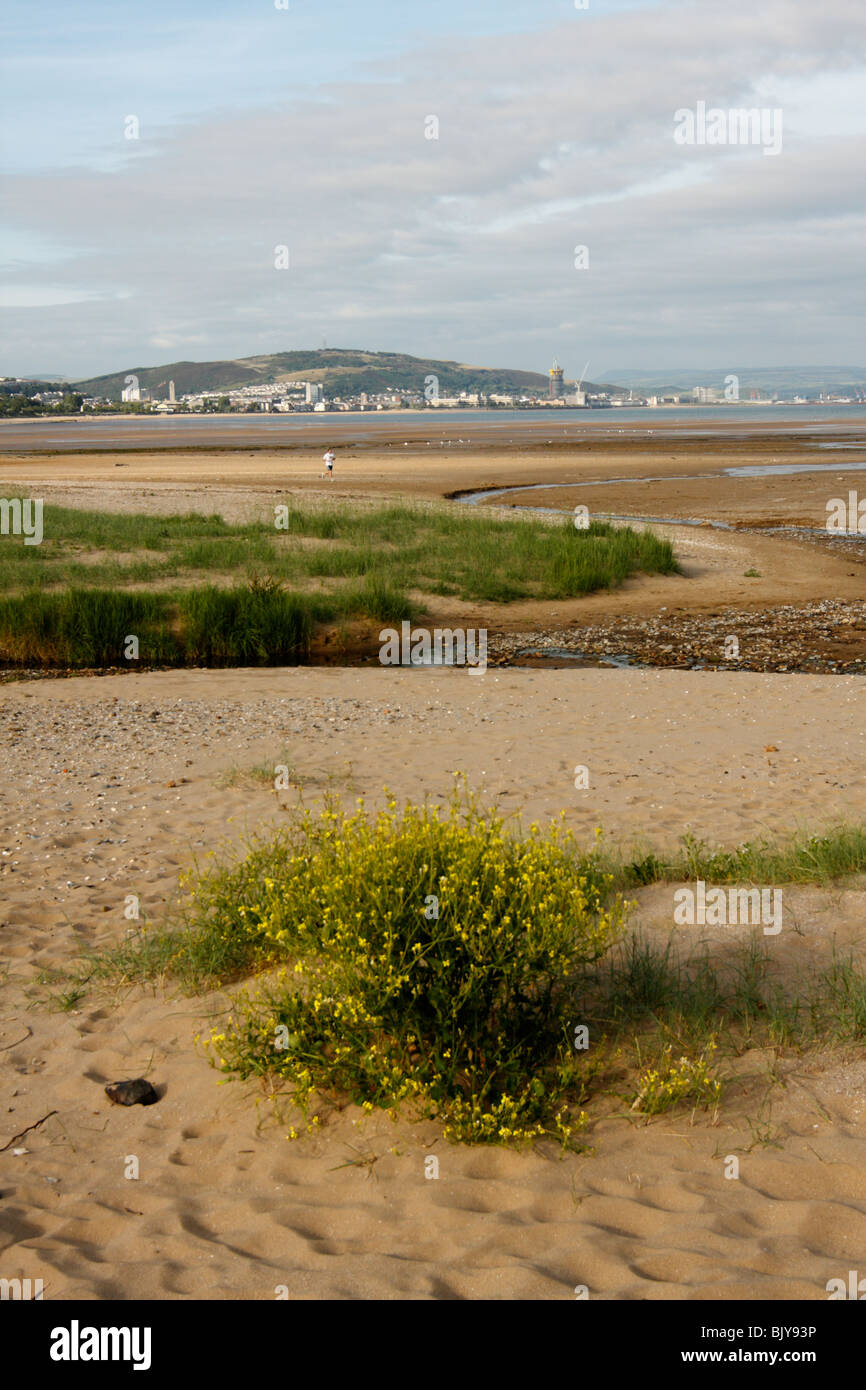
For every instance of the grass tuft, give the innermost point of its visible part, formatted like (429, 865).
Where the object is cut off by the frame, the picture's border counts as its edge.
(800, 858)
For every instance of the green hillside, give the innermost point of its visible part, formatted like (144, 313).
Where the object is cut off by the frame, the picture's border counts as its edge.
(341, 371)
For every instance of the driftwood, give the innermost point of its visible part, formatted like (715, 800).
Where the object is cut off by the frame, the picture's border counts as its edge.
(35, 1125)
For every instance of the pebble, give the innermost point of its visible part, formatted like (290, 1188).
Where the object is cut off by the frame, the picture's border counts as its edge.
(825, 636)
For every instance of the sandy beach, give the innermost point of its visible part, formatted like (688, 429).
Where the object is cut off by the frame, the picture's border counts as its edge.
(113, 786)
(117, 785)
(433, 675)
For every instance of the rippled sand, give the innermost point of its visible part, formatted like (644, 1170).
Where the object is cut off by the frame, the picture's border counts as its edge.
(111, 786)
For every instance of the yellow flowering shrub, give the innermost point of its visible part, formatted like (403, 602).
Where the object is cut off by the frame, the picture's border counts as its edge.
(670, 1083)
(430, 958)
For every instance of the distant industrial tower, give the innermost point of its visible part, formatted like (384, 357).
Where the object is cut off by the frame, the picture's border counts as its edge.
(171, 395)
(556, 387)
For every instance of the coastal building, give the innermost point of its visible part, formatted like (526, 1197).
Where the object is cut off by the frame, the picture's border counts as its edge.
(557, 387)
(135, 393)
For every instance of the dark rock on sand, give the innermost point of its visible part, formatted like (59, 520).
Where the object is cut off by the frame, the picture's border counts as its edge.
(138, 1092)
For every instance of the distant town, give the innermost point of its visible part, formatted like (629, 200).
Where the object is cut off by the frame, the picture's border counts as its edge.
(22, 396)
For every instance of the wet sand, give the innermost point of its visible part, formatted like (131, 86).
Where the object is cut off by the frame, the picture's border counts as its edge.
(745, 566)
(414, 428)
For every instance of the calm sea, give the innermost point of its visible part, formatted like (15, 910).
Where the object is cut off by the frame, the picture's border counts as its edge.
(456, 427)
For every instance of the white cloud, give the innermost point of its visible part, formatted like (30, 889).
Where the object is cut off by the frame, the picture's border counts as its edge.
(546, 140)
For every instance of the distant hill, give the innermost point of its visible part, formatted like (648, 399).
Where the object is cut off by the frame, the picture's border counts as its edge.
(805, 381)
(341, 371)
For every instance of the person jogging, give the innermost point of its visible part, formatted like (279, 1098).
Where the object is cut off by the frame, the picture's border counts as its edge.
(328, 459)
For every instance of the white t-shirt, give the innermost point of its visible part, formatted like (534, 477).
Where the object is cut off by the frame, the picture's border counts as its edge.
(329, 458)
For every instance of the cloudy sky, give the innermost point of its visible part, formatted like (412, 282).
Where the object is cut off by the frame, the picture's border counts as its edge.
(308, 127)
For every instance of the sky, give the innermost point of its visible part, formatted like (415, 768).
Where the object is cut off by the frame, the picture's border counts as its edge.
(189, 180)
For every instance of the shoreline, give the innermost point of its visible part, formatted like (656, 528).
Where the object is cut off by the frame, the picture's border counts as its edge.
(370, 429)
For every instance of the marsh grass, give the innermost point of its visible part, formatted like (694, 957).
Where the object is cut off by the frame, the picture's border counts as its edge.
(197, 627)
(470, 553)
(369, 560)
(85, 627)
(365, 993)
